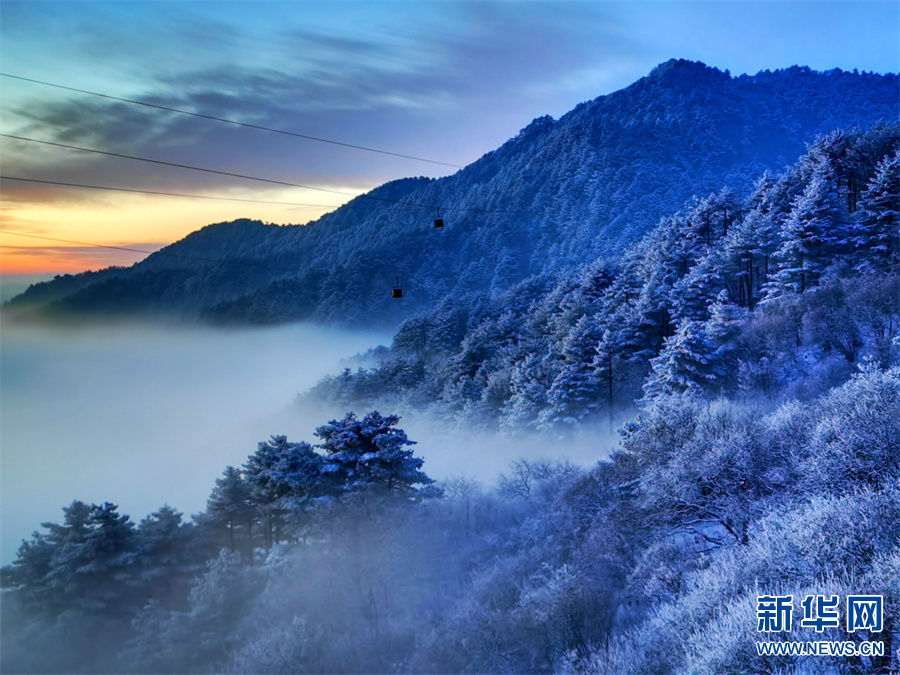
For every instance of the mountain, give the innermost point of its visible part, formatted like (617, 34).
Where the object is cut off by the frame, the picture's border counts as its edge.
(562, 192)
(780, 295)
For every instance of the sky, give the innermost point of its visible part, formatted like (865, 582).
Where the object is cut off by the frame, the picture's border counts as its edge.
(445, 81)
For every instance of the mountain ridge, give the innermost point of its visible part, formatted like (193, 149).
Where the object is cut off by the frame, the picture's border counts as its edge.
(557, 194)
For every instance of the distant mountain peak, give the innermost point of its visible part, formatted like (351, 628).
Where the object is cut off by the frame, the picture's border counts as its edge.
(684, 68)
(537, 126)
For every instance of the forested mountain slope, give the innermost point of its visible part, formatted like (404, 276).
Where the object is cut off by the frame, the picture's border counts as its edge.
(559, 194)
(781, 294)
(344, 558)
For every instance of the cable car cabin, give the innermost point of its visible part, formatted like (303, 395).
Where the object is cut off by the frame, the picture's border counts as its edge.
(438, 222)
(396, 291)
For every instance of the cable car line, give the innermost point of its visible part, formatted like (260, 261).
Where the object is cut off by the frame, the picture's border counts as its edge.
(228, 121)
(197, 168)
(245, 177)
(85, 243)
(168, 194)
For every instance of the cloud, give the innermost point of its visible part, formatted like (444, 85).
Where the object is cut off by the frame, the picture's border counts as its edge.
(416, 88)
(513, 47)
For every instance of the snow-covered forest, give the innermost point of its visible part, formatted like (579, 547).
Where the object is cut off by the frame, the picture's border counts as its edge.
(748, 349)
(784, 293)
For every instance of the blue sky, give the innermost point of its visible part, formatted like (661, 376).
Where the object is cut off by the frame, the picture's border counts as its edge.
(444, 80)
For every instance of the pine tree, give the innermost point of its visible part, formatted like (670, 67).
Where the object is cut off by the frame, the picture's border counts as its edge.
(505, 273)
(815, 231)
(369, 453)
(29, 572)
(710, 220)
(83, 564)
(170, 554)
(283, 477)
(770, 205)
(877, 229)
(693, 294)
(529, 382)
(605, 361)
(724, 329)
(575, 391)
(230, 508)
(108, 563)
(687, 363)
(75, 528)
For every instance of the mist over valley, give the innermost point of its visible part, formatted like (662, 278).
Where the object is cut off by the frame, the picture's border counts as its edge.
(144, 415)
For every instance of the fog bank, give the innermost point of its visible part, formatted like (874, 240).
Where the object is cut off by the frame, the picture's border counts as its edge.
(142, 416)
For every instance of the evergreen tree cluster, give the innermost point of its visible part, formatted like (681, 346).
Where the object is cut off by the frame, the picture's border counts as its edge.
(97, 572)
(782, 293)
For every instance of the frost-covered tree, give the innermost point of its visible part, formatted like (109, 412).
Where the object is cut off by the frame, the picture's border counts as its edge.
(693, 294)
(200, 637)
(412, 337)
(83, 564)
(76, 525)
(283, 477)
(575, 391)
(170, 553)
(531, 378)
(874, 301)
(724, 328)
(708, 468)
(877, 229)
(689, 362)
(369, 453)
(770, 204)
(856, 439)
(109, 557)
(43, 564)
(816, 230)
(231, 510)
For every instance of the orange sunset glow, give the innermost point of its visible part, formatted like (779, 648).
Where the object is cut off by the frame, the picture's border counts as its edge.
(141, 222)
